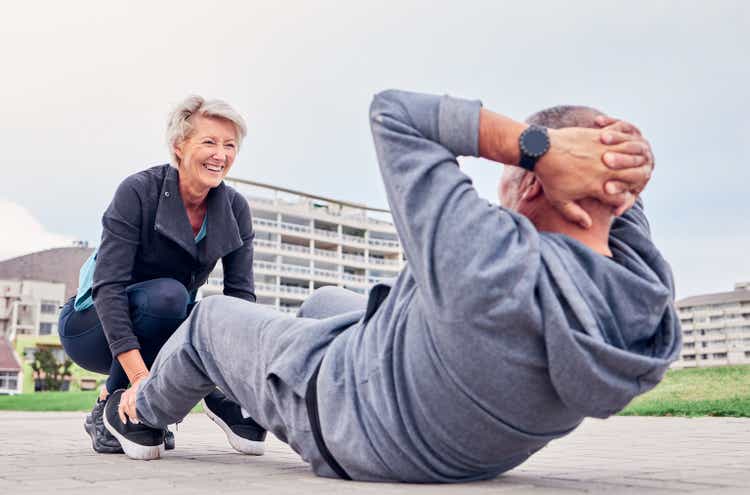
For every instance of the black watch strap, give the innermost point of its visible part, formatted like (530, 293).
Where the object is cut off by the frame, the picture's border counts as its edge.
(533, 143)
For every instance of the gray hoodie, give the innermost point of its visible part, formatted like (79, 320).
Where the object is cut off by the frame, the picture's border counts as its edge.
(496, 338)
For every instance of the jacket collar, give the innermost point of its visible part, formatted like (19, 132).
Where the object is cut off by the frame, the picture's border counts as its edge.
(222, 231)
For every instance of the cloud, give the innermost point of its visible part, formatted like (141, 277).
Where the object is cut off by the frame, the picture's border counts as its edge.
(23, 233)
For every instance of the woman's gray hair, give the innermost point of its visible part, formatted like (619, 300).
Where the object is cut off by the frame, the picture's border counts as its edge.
(179, 124)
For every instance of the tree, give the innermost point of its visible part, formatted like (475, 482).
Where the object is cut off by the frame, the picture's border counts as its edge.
(48, 372)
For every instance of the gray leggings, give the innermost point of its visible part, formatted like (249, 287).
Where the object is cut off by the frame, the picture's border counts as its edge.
(237, 346)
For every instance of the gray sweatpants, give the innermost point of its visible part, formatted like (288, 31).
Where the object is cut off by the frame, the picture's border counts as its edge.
(232, 344)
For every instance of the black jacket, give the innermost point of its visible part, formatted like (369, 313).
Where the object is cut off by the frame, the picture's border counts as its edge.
(147, 235)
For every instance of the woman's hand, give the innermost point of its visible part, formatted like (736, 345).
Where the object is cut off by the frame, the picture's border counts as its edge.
(127, 403)
(581, 162)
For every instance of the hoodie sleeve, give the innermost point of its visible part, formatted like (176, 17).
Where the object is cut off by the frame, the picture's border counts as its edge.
(457, 244)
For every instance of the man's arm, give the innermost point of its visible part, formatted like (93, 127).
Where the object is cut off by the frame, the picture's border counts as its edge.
(458, 245)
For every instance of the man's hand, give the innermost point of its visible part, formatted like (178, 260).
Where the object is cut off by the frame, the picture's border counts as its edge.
(608, 164)
(127, 403)
(621, 126)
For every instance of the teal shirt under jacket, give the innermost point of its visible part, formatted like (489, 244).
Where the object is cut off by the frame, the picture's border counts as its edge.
(86, 276)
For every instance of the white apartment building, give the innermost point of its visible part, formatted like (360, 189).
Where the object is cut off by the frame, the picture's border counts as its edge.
(715, 328)
(29, 307)
(303, 242)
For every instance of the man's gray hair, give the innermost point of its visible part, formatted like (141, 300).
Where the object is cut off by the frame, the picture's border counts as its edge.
(562, 116)
(179, 124)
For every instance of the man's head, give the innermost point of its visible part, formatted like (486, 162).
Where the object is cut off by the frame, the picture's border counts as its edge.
(521, 191)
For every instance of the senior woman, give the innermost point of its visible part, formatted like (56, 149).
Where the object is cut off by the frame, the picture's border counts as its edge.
(163, 233)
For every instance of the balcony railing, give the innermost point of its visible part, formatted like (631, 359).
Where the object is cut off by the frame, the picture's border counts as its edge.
(295, 269)
(383, 261)
(290, 289)
(353, 257)
(294, 248)
(319, 272)
(293, 227)
(353, 278)
(265, 222)
(354, 238)
(264, 243)
(384, 243)
(326, 253)
(327, 233)
(266, 288)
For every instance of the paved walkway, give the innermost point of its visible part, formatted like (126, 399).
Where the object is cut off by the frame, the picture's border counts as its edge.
(49, 453)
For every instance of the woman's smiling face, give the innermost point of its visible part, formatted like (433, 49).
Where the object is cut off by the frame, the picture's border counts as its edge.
(208, 153)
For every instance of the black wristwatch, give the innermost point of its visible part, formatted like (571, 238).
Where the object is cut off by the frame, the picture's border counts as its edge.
(533, 143)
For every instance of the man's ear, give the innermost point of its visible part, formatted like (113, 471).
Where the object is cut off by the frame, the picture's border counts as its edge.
(530, 187)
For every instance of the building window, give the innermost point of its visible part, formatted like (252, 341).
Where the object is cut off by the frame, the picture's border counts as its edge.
(719, 355)
(45, 328)
(8, 380)
(49, 307)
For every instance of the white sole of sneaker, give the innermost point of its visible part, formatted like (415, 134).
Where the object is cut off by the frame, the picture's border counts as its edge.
(134, 450)
(241, 445)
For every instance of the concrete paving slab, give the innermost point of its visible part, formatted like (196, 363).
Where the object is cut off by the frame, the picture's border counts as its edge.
(49, 453)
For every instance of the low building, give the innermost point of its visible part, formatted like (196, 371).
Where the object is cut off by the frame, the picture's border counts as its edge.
(11, 375)
(32, 289)
(51, 265)
(715, 328)
(29, 307)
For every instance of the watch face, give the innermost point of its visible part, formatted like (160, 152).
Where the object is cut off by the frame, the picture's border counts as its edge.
(535, 142)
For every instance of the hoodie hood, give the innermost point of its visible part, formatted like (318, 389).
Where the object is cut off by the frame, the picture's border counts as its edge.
(618, 331)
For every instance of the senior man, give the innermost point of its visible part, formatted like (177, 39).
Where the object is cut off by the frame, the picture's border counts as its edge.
(507, 327)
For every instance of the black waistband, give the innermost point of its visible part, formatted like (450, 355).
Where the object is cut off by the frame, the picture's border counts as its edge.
(311, 400)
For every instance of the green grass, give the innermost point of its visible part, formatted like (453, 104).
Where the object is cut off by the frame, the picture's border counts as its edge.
(720, 391)
(49, 401)
(53, 401)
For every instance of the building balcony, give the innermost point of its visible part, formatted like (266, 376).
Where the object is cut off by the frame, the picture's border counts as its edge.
(295, 228)
(353, 278)
(325, 253)
(326, 234)
(262, 222)
(265, 244)
(357, 258)
(326, 274)
(293, 248)
(384, 243)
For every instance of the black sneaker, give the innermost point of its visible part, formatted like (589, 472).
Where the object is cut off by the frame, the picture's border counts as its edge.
(168, 440)
(244, 434)
(101, 440)
(137, 440)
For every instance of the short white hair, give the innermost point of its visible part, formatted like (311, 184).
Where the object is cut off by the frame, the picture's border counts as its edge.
(179, 124)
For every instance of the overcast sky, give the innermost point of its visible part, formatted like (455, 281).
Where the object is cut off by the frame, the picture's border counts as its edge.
(86, 87)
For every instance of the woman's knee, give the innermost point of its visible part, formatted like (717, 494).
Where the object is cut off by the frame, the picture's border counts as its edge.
(163, 298)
